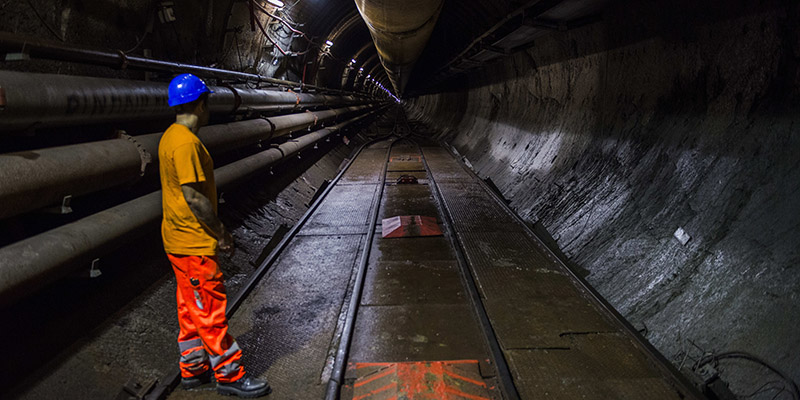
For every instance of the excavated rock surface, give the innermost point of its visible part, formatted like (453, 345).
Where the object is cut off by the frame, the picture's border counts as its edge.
(616, 134)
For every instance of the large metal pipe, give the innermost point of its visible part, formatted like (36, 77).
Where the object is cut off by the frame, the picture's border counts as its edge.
(38, 178)
(29, 100)
(400, 30)
(36, 261)
(44, 49)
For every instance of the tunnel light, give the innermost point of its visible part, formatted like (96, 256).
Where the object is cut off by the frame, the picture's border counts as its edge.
(353, 61)
(361, 70)
(368, 76)
(329, 43)
(275, 3)
(166, 13)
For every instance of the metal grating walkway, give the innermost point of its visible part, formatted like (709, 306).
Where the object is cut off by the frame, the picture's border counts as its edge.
(559, 342)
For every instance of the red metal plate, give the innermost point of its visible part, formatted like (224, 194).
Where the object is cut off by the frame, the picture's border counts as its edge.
(405, 158)
(440, 380)
(409, 226)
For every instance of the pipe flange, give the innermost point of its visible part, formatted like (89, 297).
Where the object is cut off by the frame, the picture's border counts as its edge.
(271, 128)
(276, 146)
(144, 155)
(123, 59)
(237, 98)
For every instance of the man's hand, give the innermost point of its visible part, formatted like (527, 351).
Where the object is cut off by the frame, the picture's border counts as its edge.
(226, 243)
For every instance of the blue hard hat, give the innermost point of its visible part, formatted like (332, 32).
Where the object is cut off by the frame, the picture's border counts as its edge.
(186, 88)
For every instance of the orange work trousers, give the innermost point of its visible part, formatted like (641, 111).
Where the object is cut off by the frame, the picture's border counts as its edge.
(204, 340)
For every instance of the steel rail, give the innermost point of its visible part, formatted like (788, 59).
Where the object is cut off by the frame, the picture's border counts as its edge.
(346, 338)
(31, 263)
(506, 381)
(656, 358)
(38, 178)
(170, 380)
(45, 49)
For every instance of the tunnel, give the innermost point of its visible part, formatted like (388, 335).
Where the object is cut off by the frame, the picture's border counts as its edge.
(555, 199)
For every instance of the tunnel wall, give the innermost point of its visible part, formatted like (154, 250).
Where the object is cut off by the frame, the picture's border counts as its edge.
(211, 33)
(616, 134)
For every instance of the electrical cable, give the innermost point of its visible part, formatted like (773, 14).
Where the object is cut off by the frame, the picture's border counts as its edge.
(238, 52)
(264, 31)
(795, 392)
(778, 394)
(281, 20)
(764, 388)
(139, 43)
(147, 30)
(41, 19)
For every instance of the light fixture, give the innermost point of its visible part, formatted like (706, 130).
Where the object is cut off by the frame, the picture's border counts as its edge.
(353, 61)
(166, 13)
(329, 43)
(275, 3)
(361, 69)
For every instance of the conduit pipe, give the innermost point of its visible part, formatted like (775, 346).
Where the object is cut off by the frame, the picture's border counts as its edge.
(37, 48)
(47, 100)
(400, 30)
(31, 263)
(39, 178)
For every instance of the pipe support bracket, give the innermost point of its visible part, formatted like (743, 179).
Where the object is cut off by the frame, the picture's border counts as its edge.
(144, 155)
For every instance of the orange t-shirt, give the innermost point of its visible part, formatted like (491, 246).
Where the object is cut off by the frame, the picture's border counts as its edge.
(183, 159)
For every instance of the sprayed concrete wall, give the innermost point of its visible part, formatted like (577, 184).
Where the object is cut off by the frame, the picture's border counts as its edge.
(616, 134)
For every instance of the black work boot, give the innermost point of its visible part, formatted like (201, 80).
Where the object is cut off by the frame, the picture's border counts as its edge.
(246, 386)
(195, 381)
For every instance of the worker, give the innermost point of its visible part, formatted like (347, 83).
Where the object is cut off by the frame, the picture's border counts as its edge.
(192, 235)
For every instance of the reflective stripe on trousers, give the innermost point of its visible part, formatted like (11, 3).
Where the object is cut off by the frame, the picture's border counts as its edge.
(194, 358)
(227, 365)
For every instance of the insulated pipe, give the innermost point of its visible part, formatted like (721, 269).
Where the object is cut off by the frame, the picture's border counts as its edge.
(29, 100)
(39, 178)
(33, 262)
(37, 48)
(400, 30)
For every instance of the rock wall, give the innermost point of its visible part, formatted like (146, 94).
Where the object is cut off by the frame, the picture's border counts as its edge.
(209, 33)
(615, 135)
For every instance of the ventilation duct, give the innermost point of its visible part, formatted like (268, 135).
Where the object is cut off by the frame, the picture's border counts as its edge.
(400, 30)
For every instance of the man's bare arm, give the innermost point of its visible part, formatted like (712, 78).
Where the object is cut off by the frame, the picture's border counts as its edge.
(202, 209)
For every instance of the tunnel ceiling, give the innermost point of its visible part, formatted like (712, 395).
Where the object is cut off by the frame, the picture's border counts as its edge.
(468, 34)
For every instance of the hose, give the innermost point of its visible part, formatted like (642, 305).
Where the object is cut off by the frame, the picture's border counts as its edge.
(750, 357)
